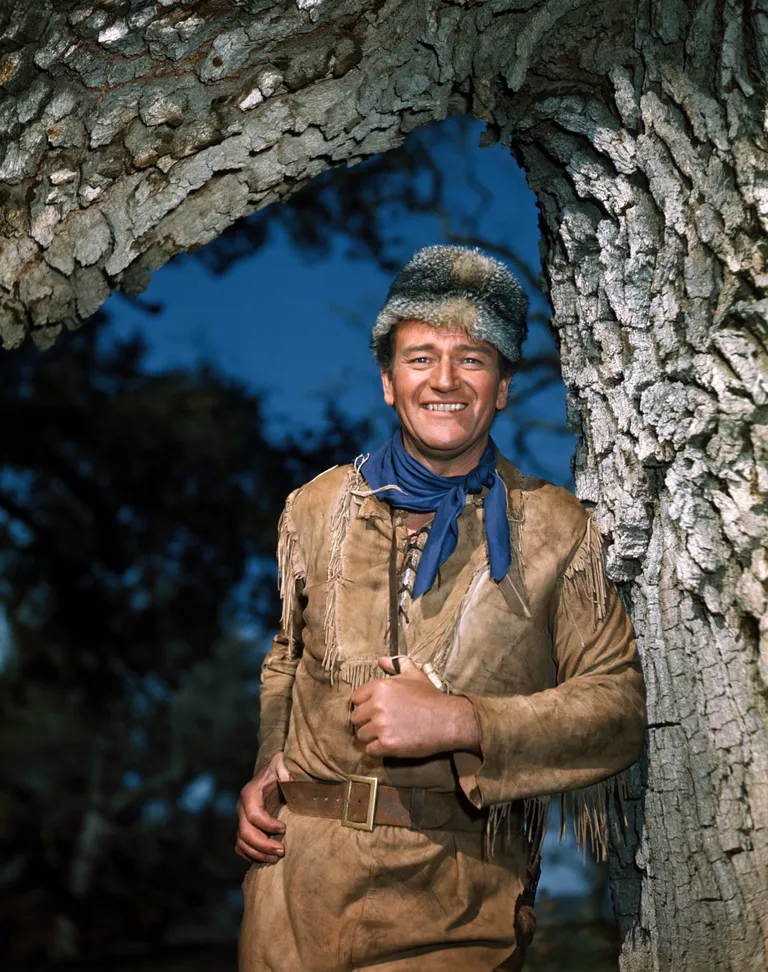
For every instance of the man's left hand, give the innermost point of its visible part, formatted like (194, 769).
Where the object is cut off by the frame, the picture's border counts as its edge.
(407, 716)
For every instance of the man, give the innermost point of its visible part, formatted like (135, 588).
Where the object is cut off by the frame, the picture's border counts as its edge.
(450, 655)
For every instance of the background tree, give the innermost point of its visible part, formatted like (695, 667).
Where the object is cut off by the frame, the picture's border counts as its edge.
(136, 130)
(143, 831)
(366, 209)
(137, 529)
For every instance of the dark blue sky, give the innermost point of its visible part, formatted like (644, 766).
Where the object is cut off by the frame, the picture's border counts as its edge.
(297, 328)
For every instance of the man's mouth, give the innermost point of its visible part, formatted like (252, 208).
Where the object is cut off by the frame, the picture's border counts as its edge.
(445, 406)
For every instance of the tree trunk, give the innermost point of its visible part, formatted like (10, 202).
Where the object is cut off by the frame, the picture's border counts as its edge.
(139, 130)
(654, 214)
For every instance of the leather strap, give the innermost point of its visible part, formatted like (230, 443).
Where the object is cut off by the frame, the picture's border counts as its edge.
(394, 614)
(415, 808)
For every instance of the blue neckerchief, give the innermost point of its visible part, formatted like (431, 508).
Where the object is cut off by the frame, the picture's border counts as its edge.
(422, 491)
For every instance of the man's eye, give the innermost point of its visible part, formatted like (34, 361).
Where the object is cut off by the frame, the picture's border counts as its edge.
(421, 360)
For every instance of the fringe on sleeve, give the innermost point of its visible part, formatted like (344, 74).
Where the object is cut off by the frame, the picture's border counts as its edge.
(591, 813)
(289, 571)
(594, 811)
(585, 575)
(590, 807)
(332, 660)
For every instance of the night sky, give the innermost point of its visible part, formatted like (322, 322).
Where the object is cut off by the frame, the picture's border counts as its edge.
(297, 328)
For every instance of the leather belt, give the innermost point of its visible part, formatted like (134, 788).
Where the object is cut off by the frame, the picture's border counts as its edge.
(363, 803)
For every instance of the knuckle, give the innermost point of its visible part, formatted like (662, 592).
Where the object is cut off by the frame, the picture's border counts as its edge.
(386, 743)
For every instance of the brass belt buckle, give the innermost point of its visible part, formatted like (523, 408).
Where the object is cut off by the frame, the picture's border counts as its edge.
(370, 813)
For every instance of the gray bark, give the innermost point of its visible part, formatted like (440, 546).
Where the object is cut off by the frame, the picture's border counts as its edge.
(136, 130)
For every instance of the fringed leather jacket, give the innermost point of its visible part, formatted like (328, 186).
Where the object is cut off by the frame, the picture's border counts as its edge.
(546, 656)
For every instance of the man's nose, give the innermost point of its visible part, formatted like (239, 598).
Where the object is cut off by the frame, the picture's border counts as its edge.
(445, 377)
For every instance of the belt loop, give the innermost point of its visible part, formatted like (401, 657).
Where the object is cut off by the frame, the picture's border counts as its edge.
(417, 808)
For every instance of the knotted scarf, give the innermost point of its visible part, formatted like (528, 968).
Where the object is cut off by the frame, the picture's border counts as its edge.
(421, 491)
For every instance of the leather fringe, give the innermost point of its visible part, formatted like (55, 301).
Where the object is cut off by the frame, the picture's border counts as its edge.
(354, 487)
(516, 520)
(357, 673)
(536, 813)
(585, 575)
(516, 574)
(592, 808)
(498, 822)
(288, 571)
(536, 816)
(339, 524)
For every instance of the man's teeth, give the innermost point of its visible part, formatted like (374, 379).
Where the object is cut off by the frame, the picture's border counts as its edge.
(435, 407)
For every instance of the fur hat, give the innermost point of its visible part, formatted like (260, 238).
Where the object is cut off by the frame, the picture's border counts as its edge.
(456, 286)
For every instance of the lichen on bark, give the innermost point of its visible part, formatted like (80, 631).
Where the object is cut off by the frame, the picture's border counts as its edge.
(134, 130)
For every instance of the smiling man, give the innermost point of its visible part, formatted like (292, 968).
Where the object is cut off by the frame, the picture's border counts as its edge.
(451, 655)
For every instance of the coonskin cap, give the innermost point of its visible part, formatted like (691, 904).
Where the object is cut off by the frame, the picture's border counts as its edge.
(456, 286)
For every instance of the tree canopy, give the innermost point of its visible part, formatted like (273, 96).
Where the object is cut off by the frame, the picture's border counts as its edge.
(138, 518)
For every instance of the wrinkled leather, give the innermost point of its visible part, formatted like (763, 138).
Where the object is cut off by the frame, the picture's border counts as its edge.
(557, 689)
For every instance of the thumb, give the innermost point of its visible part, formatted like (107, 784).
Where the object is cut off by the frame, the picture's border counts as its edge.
(399, 665)
(282, 773)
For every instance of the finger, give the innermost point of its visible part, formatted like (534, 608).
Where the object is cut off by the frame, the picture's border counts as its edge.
(406, 666)
(362, 693)
(392, 664)
(258, 817)
(378, 749)
(360, 715)
(247, 854)
(257, 840)
(367, 733)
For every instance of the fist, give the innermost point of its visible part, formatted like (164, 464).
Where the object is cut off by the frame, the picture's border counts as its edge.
(407, 716)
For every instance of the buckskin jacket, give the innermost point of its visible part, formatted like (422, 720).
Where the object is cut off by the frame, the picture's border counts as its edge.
(548, 661)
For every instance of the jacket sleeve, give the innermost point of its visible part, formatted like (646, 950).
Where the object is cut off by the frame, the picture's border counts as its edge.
(279, 667)
(277, 674)
(586, 728)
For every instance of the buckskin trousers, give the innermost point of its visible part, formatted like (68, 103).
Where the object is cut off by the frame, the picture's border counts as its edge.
(392, 900)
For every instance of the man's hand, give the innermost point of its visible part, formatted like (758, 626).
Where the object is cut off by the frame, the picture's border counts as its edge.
(407, 716)
(255, 823)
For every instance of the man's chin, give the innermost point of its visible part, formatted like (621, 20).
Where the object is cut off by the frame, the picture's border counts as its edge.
(438, 448)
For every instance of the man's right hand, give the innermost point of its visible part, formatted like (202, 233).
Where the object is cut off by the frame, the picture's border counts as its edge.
(254, 842)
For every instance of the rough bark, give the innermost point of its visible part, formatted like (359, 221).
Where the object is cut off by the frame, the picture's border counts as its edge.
(654, 210)
(135, 130)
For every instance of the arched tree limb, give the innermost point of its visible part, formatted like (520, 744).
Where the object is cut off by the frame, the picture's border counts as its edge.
(136, 130)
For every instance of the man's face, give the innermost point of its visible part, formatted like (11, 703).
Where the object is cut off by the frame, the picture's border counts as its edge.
(446, 388)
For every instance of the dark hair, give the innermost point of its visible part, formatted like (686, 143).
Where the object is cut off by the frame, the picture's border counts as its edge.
(383, 351)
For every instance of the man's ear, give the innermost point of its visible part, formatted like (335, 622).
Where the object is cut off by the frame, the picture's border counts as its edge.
(386, 384)
(501, 398)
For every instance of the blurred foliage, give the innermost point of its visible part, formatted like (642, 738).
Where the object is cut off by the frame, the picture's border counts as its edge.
(574, 947)
(138, 518)
(138, 521)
